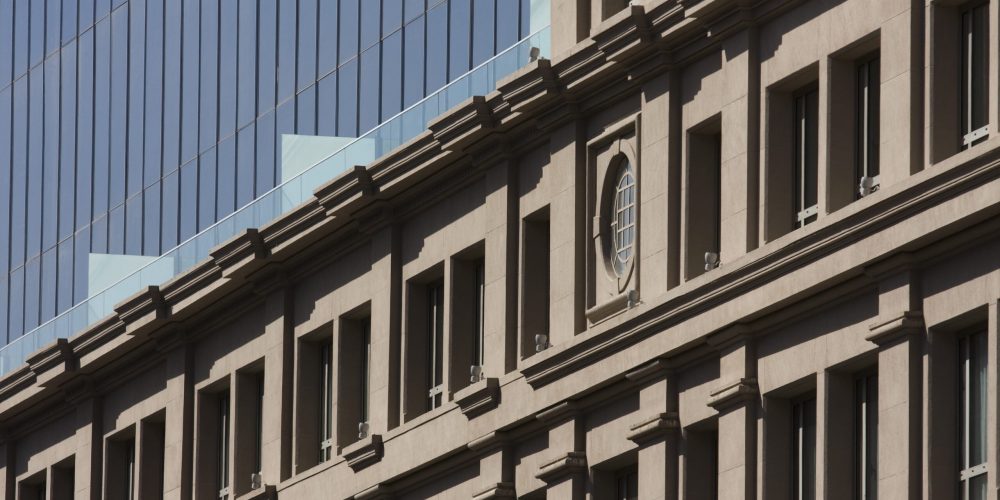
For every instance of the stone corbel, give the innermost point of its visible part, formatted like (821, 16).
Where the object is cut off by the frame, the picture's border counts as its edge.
(364, 453)
(902, 325)
(144, 308)
(740, 391)
(53, 363)
(573, 462)
(479, 397)
(653, 428)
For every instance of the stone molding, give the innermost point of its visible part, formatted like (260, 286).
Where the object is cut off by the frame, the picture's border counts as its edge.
(891, 330)
(377, 492)
(265, 492)
(363, 453)
(494, 491)
(740, 391)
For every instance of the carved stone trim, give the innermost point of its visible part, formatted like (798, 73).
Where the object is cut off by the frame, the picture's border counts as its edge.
(147, 301)
(378, 492)
(653, 427)
(608, 308)
(364, 452)
(558, 412)
(354, 185)
(573, 462)
(265, 492)
(239, 251)
(744, 389)
(498, 490)
(57, 354)
(657, 367)
(889, 331)
(479, 397)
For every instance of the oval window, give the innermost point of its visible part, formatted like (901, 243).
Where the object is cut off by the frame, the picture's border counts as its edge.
(623, 219)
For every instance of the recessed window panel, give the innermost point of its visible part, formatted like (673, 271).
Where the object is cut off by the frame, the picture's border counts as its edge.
(806, 155)
(975, 74)
(972, 413)
(804, 449)
(623, 228)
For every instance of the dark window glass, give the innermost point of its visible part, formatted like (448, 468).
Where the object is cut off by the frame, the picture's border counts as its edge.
(327, 57)
(866, 437)
(152, 167)
(412, 9)
(327, 408)
(307, 43)
(867, 112)
(206, 189)
(188, 222)
(459, 53)
(119, 118)
(368, 88)
(15, 313)
(136, 96)
(247, 81)
(67, 142)
(437, 48)
(392, 16)
(226, 178)
(222, 434)
(392, 77)
(228, 26)
(32, 292)
(267, 41)
(972, 415)
(804, 450)
(151, 220)
(975, 74)
(245, 168)
(265, 153)
(116, 230)
(64, 293)
(191, 62)
(349, 20)
(347, 101)
(326, 107)
(435, 351)
(50, 184)
(306, 113)
(413, 62)
(102, 109)
(133, 225)
(209, 74)
(81, 250)
(806, 155)
(627, 484)
(19, 179)
(483, 32)
(84, 129)
(171, 86)
(49, 284)
(370, 24)
(287, 40)
(168, 221)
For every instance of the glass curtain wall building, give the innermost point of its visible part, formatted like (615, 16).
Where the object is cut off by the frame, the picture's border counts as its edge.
(126, 127)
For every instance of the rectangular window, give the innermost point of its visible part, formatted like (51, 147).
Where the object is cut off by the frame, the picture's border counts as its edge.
(326, 404)
(701, 462)
(974, 74)
(222, 457)
(806, 155)
(866, 437)
(467, 309)
(704, 199)
(627, 482)
(804, 449)
(867, 112)
(353, 361)
(248, 430)
(435, 351)
(34, 488)
(258, 432)
(121, 468)
(972, 416)
(535, 283)
(63, 477)
(479, 336)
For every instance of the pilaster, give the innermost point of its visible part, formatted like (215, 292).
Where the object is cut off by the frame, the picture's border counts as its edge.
(657, 434)
(736, 402)
(565, 471)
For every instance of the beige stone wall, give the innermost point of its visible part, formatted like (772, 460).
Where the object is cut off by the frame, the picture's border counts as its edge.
(684, 377)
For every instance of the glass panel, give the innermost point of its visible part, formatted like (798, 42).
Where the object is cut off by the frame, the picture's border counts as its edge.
(392, 76)
(136, 96)
(483, 32)
(287, 40)
(507, 21)
(19, 178)
(209, 73)
(133, 225)
(64, 294)
(327, 58)
(86, 9)
(67, 142)
(977, 487)
(459, 50)
(4, 304)
(119, 117)
(168, 220)
(413, 62)
(50, 177)
(21, 25)
(49, 284)
(32, 291)
(267, 40)
(347, 101)
(306, 115)
(15, 312)
(116, 230)
(5, 194)
(85, 128)
(228, 31)
(326, 108)
(370, 24)
(368, 90)
(412, 9)
(36, 161)
(37, 32)
(437, 46)
(102, 109)
(307, 43)
(245, 174)
(153, 111)
(81, 248)
(392, 16)
(265, 154)
(99, 235)
(7, 40)
(189, 86)
(348, 29)
(977, 399)
(53, 25)
(188, 220)
(226, 178)
(247, 64)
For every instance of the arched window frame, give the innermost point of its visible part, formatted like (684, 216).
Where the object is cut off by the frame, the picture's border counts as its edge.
(623, 218)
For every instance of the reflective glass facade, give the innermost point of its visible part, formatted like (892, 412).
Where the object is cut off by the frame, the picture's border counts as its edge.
(128, 126)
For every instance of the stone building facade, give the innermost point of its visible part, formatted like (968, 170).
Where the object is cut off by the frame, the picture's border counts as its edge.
(721, 249)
